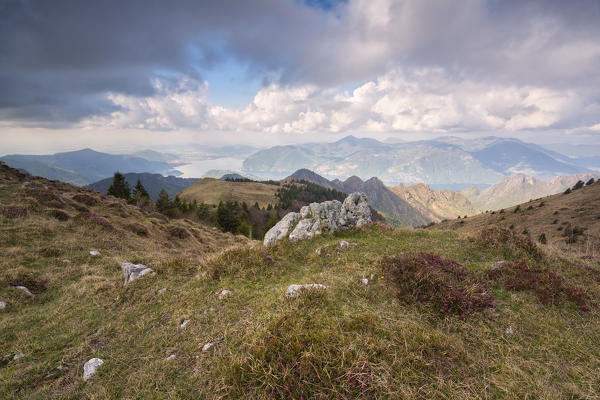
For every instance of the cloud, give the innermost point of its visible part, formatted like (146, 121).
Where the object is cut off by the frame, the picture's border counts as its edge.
(417, 65)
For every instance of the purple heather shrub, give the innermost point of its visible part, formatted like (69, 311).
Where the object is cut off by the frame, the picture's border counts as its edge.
(99, 220)
(437, 282)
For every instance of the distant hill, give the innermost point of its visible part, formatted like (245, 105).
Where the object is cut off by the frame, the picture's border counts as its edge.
(436, 205)
(446, 162)
(213, 191)
(568, 221)
(220, 173)
(519, 189)
(153, 183)
(85, 166)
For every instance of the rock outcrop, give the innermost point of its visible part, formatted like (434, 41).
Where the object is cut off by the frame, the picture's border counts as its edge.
(90, 368)
(134, 271)
(316, 218)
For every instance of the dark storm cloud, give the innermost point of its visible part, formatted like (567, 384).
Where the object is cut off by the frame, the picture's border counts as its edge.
(58, 59)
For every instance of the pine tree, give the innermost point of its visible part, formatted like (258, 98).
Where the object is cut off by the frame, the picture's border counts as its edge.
(120, 187)
(139, 191)
(162, 204)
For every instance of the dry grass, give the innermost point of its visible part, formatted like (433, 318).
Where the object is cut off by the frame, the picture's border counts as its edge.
(348, 341)
(212, 191)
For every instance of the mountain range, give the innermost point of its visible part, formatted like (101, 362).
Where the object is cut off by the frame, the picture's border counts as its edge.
(153, 183)
(521, 188)
(85, 166)
(447, 162)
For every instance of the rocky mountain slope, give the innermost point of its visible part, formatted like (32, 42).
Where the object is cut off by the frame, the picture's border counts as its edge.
(442, 161)
(521, 188)
(396, 210)
(153, 183)
(374, 313)
(436, 205)
(568, 222)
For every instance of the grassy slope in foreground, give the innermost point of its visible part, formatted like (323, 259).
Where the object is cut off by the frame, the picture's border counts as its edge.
(349, 341)
(212, 191)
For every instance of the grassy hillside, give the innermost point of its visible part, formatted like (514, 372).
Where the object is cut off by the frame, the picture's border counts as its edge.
(569, 222)
(423, 327)
(212, 191)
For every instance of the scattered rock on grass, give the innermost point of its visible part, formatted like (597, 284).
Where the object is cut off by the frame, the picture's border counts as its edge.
(364, 281)
(94, 253)
(2, 305)
(24, 290)
(208, 347)
(510, 331)
(294, 290)
(134, 271)
(161, 291)
(497, 265)
(65, 260)
(90, 368)
(344, 244)
(171, 357)
(17, 356)
(224, 293)
(184, 323)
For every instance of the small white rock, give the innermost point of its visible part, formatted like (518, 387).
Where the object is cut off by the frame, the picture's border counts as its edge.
(294, 290)
(134, 271)
(510, 331)
(90, 368)
(184, 323)
(364, 281)
(94, 253)
(318, 251)
(208, 347)
(497, 265)
(2, 305)
(171, 357)
(24, 290)
(224, 293)
(18, 355)
(344, 244)
(66, 261)
(161, 291)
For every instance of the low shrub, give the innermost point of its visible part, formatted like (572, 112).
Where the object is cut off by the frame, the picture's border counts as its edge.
(509, 242)
(14, 212)
(441, 283)
(99, 220)
(542, 238)
(546, 285)
(58, 214)
(85, 199)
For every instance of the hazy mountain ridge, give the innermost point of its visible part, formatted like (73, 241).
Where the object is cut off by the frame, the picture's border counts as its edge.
(521, 188)
(153, 183)
(85, 166)
(446, 160)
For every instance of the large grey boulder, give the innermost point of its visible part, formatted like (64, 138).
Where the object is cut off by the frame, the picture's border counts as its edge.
(316, 218)
(134, 271)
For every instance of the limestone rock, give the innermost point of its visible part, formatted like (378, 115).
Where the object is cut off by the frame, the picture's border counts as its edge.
(24, 290)
(17, 356)
(281, 229)
(208, 347)
(2, 305)
(224, 293)
(294, 290)
(344, 244)
(171, 357)
(134, 271)
(364, 281)
(316, 218)
(184, 323)
(161, 291)
(94, 253)
(90, 368)
(497, 265)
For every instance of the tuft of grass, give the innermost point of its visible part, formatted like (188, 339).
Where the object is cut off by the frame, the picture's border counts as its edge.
(511, 244)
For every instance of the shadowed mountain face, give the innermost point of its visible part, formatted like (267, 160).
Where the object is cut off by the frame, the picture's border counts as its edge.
(443, 161)
(396, 210)
(153, 183)
(84, 166)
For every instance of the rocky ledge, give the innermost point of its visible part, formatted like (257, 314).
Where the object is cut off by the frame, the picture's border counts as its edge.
(316, 218)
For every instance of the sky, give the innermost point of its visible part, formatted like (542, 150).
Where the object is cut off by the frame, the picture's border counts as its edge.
(121, 74)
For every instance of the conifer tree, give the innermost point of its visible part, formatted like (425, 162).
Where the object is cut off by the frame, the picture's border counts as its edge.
(162, 204)
(120, 187)
(139, 191)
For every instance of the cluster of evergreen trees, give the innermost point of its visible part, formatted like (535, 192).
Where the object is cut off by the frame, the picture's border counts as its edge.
(120, 188)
